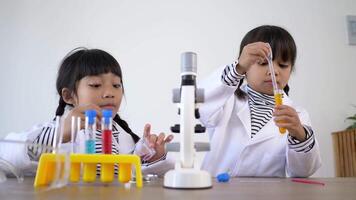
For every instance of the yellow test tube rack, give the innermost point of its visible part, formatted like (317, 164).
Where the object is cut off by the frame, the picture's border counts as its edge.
(48, 162)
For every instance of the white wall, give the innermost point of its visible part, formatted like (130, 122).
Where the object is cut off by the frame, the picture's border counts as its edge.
(147, 38)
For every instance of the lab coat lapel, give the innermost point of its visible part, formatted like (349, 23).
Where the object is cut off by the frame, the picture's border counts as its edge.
(245, 116)
(270, 130)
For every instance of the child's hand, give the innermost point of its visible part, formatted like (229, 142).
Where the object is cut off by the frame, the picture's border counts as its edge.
(252, 53)
(78, 111)
(286, 117)
(156, 142)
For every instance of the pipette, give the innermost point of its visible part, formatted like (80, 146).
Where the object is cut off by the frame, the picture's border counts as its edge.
(278, 94)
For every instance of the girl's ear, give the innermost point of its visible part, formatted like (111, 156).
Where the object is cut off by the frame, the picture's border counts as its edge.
(67, 96)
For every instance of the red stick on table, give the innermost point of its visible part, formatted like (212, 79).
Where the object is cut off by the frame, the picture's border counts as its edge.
(308, 181)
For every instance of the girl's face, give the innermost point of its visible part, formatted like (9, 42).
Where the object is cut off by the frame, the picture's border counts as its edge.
(103, 90)
(259, 78)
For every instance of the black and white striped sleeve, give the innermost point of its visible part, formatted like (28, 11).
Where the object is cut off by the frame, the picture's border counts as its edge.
(230, 76)
(304, 146)
(45, 138)
(146, 164)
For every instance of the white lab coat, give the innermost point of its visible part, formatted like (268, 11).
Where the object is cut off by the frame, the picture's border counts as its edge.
(267, 154)
(17, 154)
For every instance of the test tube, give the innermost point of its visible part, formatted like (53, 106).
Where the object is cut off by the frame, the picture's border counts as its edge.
(89, 174)
(74, 166)
(55, 137)
(106, 124)
(72, 134)
(90, 127)
(52, 165)
(278, 95)
(107, 169)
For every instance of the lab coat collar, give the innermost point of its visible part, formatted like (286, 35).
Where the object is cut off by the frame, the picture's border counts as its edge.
(268, 131)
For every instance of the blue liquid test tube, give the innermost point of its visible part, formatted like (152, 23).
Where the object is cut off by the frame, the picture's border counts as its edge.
(89, 174)
(90, 116)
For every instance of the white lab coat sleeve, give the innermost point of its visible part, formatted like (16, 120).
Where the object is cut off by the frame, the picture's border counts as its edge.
(160, 167)
(127, 145)
(17, 153)
(301, 164)
(216, 95)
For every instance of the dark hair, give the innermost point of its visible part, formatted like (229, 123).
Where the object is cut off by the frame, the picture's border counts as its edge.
(82, 62)
(282, 44)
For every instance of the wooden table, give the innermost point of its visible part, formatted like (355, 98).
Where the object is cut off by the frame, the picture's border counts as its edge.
(237, 188)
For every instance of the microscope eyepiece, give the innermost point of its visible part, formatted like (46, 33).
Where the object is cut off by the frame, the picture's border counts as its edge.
(188, 63)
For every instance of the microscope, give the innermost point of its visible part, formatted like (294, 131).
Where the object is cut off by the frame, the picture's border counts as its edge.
(187, 173)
